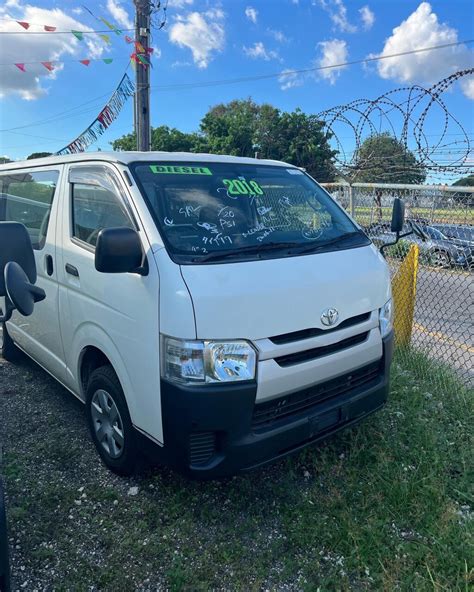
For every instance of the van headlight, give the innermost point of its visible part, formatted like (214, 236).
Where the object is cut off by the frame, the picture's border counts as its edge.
(386, 318)
(204, 362)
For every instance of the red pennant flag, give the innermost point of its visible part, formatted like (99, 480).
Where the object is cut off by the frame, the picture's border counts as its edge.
(24, 24)
(49, 28)
(85, 62)
(139, 47)
(128, 39)
(21, 67)
(48, 65)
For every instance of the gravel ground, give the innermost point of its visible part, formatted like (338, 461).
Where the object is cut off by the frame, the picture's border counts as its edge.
(384, 506)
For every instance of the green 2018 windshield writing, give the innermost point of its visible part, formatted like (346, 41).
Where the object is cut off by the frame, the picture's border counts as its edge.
(241, 187)
(179, 170)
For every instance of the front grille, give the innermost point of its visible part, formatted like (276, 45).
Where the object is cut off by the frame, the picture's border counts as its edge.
(266, 413)
(202, 447)
(318, 352)
(315, 332)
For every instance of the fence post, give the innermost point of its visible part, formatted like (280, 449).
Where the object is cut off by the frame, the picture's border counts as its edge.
(404, 293)
(351, 201)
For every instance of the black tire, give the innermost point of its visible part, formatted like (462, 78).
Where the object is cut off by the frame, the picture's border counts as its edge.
(103, 433)
(4, 555)
(8, 350)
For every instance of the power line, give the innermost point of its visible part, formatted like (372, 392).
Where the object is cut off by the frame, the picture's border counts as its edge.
(306, 70)
(66, 61)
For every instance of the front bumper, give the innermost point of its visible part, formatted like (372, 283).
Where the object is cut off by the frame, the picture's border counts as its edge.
(210, 431)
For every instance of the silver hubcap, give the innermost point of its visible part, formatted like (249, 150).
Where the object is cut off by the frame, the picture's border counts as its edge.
(440, 260)
(1, 336)
(107, 423)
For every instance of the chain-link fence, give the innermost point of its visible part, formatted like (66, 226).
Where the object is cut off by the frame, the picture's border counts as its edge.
(442, 325)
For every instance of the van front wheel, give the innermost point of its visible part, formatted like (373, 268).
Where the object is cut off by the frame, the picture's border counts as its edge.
(109, 421)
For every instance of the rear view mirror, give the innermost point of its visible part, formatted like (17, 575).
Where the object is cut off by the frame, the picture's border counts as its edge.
(119, 250)
(398, 215)
(17, 271)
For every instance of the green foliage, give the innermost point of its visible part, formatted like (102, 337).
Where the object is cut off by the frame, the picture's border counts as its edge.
(4, 159)
(241, 128)
(38, 155)
(465, 181)
(164, 138)
(383, 159)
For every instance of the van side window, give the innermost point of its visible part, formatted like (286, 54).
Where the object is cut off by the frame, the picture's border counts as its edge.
(27, 198)
(95, 208)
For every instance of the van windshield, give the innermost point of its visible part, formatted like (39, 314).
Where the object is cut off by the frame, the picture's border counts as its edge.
(230, 211)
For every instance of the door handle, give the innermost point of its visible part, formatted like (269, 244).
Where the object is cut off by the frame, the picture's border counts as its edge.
(49, 265)
(72, 270)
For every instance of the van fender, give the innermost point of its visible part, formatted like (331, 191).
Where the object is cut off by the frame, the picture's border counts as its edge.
(88, 334)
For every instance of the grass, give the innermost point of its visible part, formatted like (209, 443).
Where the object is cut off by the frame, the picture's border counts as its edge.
(385, 506)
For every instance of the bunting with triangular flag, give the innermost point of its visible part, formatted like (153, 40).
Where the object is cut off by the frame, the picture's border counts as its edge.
(107, 115)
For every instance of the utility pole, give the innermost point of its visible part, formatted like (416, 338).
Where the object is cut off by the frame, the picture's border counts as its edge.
(142, 92)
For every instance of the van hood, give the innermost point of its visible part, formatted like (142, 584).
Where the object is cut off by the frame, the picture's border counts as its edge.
(259, 299)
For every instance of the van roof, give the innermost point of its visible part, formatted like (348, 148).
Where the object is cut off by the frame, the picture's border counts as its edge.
(128, 157)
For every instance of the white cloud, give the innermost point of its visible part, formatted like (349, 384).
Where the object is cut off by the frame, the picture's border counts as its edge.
(29, 47)
(278, 35)
(422, 29)
(119, 13)
(77, 10)
(179, 3)
(467, 86)
(332, 52)
(252, 14)
(203, 33)
(258, 51)
(289, 79)
(367, 16)
(338, 14)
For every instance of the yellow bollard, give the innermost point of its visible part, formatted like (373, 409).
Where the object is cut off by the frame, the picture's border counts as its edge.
(404, 292)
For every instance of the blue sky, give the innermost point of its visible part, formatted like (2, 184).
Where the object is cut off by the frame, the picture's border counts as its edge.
(206, 40)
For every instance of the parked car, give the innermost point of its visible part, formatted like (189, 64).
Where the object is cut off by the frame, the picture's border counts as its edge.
(219, 312)
(456, 231)
(438, 250)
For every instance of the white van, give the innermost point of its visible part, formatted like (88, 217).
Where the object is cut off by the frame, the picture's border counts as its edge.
(221, 312)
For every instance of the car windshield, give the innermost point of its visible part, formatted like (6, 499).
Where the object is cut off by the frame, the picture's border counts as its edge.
(215, 211)
(434, 233)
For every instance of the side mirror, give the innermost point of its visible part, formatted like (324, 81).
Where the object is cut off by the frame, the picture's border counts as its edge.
(119, 250)
(15, 245)
(17, 271)
(398, 215)
(20, 292)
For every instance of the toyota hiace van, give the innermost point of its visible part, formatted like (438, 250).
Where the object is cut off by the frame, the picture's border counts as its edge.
(220, 312)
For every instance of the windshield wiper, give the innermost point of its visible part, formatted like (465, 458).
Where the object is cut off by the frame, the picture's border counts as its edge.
(249, 249)
(318, 246)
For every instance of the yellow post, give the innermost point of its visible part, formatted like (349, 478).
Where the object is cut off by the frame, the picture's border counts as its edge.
(404, 292)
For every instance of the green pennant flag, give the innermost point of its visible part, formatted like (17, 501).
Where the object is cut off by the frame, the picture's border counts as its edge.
(143, 60)
(78, 34)
(107, 60)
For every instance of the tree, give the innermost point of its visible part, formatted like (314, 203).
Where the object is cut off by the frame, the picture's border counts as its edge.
(242, 128)
(4, 159)
(465, 181)
(384, 159)
(164, 138)
(38, 155)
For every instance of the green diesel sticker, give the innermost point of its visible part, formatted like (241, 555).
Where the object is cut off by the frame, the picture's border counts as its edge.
(179, 170)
